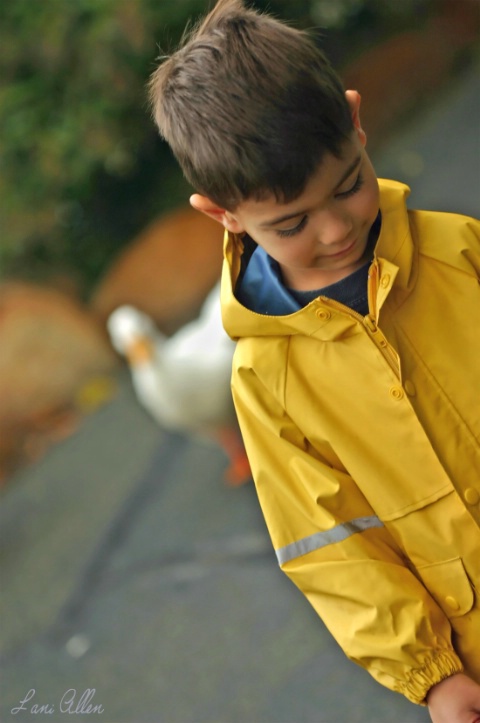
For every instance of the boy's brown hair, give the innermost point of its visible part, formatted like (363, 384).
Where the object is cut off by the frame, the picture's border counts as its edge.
(249, 106)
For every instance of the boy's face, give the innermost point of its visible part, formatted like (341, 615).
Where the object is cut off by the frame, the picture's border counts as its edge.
(321, 236)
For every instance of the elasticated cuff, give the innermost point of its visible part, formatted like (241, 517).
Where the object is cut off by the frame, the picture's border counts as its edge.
(441, 665)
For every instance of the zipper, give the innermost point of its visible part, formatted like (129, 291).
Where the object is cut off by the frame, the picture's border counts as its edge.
(379, 340)
(368, 322)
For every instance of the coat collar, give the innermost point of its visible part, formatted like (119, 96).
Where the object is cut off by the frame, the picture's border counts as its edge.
(393, 275)
(395, 245)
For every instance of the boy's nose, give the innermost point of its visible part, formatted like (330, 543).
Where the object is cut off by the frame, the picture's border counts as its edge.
(334, 231)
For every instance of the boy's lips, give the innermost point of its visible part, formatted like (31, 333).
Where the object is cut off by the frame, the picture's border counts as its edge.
(344, 251)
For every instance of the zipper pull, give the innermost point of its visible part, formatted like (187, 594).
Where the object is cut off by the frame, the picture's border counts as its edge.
(372, 288)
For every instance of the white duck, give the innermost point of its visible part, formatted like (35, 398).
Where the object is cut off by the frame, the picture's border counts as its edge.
(184, 380)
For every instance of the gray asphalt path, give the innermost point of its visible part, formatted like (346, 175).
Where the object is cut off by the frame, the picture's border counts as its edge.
(438, 152)
(129, 569)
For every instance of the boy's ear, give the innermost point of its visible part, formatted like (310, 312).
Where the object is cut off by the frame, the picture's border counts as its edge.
(354, 99)
(209, 208)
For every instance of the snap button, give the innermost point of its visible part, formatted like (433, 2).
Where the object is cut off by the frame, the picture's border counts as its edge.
(471, 496)
(410, 388)
(323, 314)
(397, 393)
(452, 602)
(384, 281)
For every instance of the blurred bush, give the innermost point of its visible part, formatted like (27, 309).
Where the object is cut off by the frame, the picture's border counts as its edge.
(82, 168)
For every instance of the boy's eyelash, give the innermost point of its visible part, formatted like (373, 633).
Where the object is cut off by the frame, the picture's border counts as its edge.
(285, 233)
(351, 191)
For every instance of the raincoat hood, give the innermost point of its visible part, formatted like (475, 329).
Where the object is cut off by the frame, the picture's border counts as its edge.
(395, 256)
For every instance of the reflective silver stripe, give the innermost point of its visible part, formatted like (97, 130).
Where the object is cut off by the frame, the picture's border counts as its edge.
(329, 537)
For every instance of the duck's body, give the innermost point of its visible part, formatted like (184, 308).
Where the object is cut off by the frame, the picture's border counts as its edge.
(183, 380)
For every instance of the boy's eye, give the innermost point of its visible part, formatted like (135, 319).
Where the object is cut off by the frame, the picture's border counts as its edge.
(351, 191)
(286, 232)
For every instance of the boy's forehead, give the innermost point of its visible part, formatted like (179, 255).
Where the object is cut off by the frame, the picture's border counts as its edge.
(329, 175)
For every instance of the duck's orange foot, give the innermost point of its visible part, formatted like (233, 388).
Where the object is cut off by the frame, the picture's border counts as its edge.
(238, 472)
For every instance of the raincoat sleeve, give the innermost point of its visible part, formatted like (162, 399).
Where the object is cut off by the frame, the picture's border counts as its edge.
(339, 554)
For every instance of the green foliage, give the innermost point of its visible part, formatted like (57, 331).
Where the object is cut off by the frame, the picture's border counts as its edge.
(74, 124)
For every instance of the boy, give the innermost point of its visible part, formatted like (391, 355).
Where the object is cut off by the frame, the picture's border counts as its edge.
(356, 375)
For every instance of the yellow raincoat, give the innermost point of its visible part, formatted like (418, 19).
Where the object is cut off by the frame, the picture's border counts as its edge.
(363, 436)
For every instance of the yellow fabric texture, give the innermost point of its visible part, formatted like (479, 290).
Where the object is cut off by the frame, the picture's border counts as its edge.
(346, 416)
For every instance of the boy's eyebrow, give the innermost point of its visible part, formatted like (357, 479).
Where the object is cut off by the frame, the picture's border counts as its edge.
(353, 165)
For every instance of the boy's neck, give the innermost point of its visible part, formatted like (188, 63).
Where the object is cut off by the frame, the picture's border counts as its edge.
(311, 279)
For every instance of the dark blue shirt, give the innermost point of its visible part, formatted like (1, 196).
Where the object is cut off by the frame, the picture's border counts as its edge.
(262, 290)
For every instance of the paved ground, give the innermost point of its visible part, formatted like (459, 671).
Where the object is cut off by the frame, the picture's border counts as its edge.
(129, 568)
